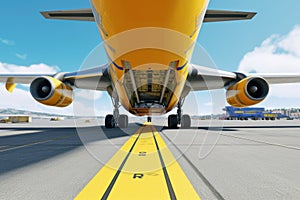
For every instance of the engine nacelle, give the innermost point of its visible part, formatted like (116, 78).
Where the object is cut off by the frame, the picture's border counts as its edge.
(247, 92)
(52, 92)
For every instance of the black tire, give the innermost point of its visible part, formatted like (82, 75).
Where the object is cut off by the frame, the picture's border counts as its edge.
(149, 119)
(110, 121)
(172, 121)
(123, 121)
(185, 121)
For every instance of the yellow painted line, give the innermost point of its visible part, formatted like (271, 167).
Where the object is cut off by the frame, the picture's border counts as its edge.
(143, 164)
(99, 184)
(141, 174)
(181, 185)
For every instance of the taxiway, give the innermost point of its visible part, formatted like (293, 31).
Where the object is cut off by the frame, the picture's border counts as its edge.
(221, 160)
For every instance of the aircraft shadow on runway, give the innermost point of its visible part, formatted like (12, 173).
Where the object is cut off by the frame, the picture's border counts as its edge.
(14, 155)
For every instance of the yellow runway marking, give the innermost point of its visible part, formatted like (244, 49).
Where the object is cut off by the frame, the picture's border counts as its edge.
(144, 168)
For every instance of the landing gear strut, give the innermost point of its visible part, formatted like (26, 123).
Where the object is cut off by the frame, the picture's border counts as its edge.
(112, 121)
(184, 120)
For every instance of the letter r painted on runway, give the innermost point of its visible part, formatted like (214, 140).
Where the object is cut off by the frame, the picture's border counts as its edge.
(140, 176)
(142, 153)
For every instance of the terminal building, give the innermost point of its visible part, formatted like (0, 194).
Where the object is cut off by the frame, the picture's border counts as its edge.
(16, 119)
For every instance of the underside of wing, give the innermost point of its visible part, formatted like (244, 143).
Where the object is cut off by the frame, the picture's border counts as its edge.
(242, 90)
(96, 78)
(20, 78)
(57, 89)
(204, 78)
(220, 15)
(279, 78)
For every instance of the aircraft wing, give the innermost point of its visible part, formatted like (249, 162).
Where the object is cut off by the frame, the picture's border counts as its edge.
(20, 78)
(87, 15)
(96, 78)
(279, 78)
(204, 78)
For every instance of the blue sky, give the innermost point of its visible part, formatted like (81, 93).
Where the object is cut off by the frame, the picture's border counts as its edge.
(27, 38)
(66, 43)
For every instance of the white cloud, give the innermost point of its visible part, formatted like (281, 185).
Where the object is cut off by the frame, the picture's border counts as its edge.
(35, 68)
(88, 94)
(277, 54)
(208, 104)
(7, 42)
(21, 56)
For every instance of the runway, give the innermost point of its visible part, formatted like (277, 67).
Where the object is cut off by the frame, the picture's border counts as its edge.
(220, 160)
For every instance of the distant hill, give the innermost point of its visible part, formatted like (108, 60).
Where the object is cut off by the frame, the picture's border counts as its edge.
(11, 111)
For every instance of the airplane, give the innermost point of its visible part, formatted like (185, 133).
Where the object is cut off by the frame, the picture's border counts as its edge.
(149, 45)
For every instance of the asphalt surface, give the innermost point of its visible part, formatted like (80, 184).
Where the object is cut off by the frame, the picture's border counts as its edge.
(223, 160)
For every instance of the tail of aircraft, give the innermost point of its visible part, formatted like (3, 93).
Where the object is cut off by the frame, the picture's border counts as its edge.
(210, 16)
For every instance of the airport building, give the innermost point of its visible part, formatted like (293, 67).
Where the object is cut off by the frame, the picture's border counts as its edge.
(16, 119)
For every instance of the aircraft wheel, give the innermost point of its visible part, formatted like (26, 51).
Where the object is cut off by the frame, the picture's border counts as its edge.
(149, 119)
(123, 121)
(172, 121)
(185, 121)
(110, 121)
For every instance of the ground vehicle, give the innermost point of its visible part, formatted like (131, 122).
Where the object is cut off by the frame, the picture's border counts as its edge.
(254, 113)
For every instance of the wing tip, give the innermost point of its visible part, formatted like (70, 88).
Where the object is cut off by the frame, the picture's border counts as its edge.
(226, 15)
(45, 14)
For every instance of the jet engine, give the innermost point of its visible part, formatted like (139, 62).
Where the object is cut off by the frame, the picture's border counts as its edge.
(247, 92)
(52, 92)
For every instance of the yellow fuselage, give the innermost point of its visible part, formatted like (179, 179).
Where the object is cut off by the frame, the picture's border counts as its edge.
(149, 44)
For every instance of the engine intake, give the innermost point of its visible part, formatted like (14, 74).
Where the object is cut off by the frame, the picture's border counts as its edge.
(247, 92)
(52, 92)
